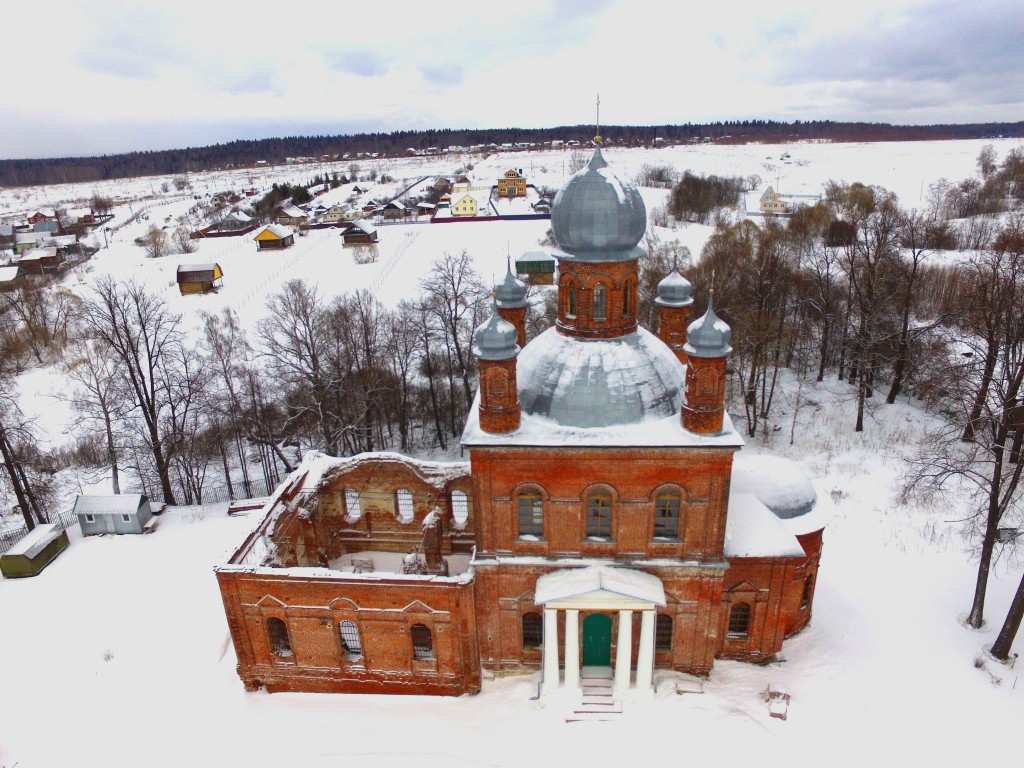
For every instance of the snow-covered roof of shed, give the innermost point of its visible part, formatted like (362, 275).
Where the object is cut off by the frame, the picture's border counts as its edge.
(119, 504)
(196, 267)
(35, 540)
(752, 530)
(8, 273)
(277, 230)
(576, 582)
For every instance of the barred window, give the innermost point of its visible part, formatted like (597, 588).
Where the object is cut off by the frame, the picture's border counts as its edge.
(404, 499)
(739, 620)
(531, 513)
(599, 515)
(352, 503)
(422, 642)
(805, 600)
(663, 633)
(277, 634)
(350, 639)
(666, 515)
(460, 508)
(533, 632)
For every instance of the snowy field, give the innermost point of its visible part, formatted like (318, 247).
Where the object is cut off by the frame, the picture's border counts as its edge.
(118, 654)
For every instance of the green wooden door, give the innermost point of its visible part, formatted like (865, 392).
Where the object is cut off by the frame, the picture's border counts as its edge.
(597, 640)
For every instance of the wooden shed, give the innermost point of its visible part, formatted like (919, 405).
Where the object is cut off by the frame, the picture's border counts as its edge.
(124, 513)
(36, 550)
(360, 232)
(274, 237)
(199, 278)
(537, 267)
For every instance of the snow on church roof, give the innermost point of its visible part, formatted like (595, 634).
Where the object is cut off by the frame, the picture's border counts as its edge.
(753, 530)
(575, 582)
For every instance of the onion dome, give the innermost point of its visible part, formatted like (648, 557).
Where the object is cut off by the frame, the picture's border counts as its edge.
(708, 335)
(495, 339)
(511, 292)
(598, 217)
(674, 291)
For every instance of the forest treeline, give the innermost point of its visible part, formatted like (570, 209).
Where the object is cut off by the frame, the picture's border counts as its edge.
(274, 150)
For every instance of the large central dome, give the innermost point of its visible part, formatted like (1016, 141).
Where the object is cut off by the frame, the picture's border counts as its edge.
(598, 217)
(599, 383)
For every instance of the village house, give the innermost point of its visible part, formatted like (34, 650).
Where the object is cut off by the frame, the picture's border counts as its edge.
(512, 183)
(199, 278)
(290, 215)
(39, 261)
(772, 202)
(274, 237)
(360, 232)
(603, 527)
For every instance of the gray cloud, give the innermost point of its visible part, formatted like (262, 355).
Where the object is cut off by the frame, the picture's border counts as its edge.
(444, 73)
(356, 62)
(945, 42)
(128, 46)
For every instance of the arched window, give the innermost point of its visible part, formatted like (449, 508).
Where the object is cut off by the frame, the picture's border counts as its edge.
(739, 620)
(666, 515)
(571, 310)
(600, 303)
(530, 506)
(350, 639)
(599, 515)
(460, 508)
(663, 633)
(627, 299)
(404, 505)
(352, 509)
(533, 632)
(277, 634)
(422, 642)
(805, 600)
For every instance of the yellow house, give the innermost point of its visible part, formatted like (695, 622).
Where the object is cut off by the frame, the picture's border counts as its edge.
(199, 278)
(274, 236)
(466, 205)
(512, 184)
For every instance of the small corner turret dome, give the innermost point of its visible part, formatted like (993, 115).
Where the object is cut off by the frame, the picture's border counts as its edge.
(675, 291)
(511, 292)
(495, 339)
(596, 213)
(708, 335)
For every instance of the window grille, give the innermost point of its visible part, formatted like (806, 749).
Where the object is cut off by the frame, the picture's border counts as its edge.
(422, 643)
(739, 620)
(533, 631)
(350, 639)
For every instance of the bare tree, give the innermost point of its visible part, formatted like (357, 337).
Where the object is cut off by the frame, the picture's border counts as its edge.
(143, 334)
(155, 242)
(183, 242)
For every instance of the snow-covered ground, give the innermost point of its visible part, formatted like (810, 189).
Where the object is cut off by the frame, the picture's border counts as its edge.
(118, 653)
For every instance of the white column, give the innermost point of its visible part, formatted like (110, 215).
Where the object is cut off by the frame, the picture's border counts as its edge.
(572, 650)
(624, 652)
(645, 653)
(550, 650)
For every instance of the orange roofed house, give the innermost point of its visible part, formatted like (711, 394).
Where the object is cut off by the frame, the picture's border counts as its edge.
(604, 524)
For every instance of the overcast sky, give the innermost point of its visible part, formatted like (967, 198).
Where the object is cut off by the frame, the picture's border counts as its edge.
(106, 76)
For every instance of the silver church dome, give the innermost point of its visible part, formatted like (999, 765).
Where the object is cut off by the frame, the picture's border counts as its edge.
(598, 217)
(495, 339)
(708, 335)
(599, 383)
(674, 291)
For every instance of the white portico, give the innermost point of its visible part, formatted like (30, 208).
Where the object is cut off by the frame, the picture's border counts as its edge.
(599, 591)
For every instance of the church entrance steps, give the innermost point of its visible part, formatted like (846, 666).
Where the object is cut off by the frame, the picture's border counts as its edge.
(597, 702)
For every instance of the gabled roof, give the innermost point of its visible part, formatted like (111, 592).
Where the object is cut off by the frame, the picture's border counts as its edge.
(361, 224)
(7, 274)
(120, 504)
(594, 580)
(197, 267)
(291, 211)
(277, 231)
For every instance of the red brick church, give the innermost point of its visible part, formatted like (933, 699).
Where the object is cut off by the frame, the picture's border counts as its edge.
(604, 520)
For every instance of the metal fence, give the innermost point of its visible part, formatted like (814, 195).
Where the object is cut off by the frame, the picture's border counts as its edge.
(12, 536)
(210, 495)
